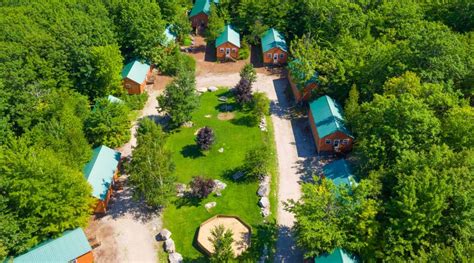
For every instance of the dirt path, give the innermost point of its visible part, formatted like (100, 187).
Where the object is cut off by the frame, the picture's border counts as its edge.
(127, 232)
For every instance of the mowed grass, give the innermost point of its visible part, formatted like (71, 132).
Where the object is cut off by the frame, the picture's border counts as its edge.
(236, 136)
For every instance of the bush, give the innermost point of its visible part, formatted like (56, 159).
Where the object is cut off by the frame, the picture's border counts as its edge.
(201, 187)
(175, 61)
(244, 51)
(187, 41)
(205, 138)
(136, 102)
(257, 162)
(260, 107)
(243, 91)
(248, 72)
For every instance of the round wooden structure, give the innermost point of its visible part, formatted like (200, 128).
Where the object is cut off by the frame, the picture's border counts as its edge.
(239, 228)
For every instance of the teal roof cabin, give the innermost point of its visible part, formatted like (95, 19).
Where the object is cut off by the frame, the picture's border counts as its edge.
(202, 6)
(339, 172)
(328, 126)
(229, 35)
(100, 171)
(66, 248)
(136, 71)
(273, 39)
(337, 256)
(294, 68)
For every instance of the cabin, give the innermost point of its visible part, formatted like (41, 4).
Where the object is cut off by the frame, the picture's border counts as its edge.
(101, 172)
(301, 90)
(135, 76)
(228, 44)
(337, 256)
(274, 48)
(170, 37)
(72, 246)
(340, 172)
(199, 15)
(327, 125)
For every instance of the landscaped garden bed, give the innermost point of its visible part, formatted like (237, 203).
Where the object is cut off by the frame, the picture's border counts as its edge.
(234, 137)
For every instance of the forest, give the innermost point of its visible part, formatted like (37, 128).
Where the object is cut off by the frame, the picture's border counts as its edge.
(403, 70)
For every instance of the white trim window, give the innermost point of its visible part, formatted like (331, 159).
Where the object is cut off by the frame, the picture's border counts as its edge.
(328, 141)
(345, 141)
(269, 55)
(128, 86)
(234, 50)
(221, 50)
(282, 55)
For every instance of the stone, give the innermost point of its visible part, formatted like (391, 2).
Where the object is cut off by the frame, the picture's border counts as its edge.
(181, 190)
(221, 150)
(266, 212)
(263, 190)
(237, 175)
(169, 246)
(264, 202)
(175, 258)
(219, 185)
(164, 234)
(212, 88)
(188, 124)
(222, 98)
(210, 205)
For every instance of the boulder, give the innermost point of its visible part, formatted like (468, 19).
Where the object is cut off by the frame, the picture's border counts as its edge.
(169, 246)
(210, 205)
(212, 88)
(164, 234)
(181, 190)
(175, 258)
(188, 124)
(264, 202)
(266, 211)
(222, 98)
(263, 190)
(219, 185)
(238, 175)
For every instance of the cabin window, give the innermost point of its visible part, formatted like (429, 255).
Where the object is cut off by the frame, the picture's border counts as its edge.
(221, 50)
(269, 55)
(345, 141)
(127, 86)
(282, 55)
(328, 141)
(234, 50)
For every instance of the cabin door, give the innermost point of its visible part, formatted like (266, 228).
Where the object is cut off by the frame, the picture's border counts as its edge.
(227, 52)
(275, 58)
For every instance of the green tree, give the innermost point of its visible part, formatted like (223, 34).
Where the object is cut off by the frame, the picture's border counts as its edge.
(458, 128)
(257, 162)
(151, 168)
(352, 107)
(248, 72)
(305, 51)
(108, 63)
(222, 240)
(180, 99)
(108, 124)
(260, 107)
(215, 25)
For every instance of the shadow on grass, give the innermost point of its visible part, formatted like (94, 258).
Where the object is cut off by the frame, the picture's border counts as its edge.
(187, 200)
(244, 121)
(229, 175)
(191, 151)
(263, 238)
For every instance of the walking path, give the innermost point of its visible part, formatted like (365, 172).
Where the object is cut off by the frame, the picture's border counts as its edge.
(127, 232)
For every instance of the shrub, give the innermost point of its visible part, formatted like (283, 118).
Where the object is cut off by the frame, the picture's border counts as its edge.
(136, 102)
(260, 106)
(201, 187)
(248, 72)
(205, 138)
(222, 240)
(243, 91)
(244, 51)
(257, 162)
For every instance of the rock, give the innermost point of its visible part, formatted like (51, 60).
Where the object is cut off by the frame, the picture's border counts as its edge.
(263, 190)
(210, 205)
(175, 258)
(266, 212)
(221, 150)
(218, 193)
(238, 175)
(212, 88)
(164, 234)
(181, 190)
(222, 98)
(264, 202)
(218, 185)
(265, 180)
(188, 124)
(169, 246)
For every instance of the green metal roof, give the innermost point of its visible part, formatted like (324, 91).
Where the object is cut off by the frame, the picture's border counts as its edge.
(327, 115)
(294, 70)
(71, 245)
(339, 172)
(337, 256)
(135, 71)
(114, 99)
(202, 6)
(100, 171)
(228, 35)
(169, 36)
(273, 38)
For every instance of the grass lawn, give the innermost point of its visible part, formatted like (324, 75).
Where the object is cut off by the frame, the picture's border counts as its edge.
(184, 216)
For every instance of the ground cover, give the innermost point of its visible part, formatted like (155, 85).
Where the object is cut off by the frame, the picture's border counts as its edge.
(236, 137)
